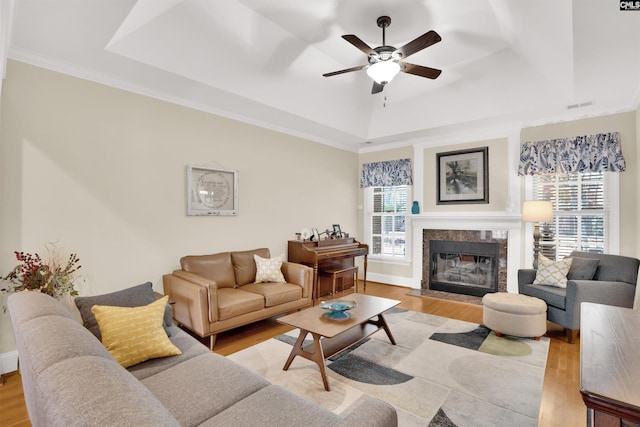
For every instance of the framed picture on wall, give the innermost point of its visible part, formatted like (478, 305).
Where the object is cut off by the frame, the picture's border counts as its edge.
(463, 176)
(211, 191)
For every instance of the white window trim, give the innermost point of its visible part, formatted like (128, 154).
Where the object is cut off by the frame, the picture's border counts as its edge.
(368, 212)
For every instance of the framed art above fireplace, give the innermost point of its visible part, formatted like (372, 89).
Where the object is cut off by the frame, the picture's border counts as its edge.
(463, 176)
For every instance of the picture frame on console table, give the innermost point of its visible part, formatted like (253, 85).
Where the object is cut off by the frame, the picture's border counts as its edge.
(211, 192)
(463, 176)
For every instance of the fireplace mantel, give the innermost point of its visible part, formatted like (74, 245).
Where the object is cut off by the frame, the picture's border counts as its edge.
(466, 221)
(507, 223)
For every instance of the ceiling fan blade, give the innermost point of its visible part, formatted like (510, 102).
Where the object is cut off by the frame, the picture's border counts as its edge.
(419, 70)
(355, 40)
(424, 41)
(377, 88)
(348, 70)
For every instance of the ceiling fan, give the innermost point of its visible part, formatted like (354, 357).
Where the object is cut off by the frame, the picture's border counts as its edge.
(386, 61)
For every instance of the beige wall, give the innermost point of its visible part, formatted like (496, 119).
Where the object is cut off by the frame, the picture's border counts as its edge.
(498, 190)
(625, 123)
(102, 172)
(498, 178)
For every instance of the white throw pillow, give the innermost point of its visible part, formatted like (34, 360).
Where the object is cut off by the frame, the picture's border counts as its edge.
(552, 273)
(269, 269)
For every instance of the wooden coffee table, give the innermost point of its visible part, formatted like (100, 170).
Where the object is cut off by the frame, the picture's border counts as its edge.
(333, 336)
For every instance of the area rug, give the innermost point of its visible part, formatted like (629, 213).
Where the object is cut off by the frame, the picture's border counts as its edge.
(442, 372)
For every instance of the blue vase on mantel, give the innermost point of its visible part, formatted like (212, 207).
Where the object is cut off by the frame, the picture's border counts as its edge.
(415, 207)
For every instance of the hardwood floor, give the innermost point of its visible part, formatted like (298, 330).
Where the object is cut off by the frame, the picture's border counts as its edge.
(561, 402)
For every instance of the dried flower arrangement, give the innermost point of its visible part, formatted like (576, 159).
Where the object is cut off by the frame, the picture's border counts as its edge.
(52, 277)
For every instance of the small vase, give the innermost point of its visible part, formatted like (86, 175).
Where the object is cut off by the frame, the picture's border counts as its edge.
(415, 207)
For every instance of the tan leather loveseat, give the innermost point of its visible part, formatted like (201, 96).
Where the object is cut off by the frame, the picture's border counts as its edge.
(216, 293)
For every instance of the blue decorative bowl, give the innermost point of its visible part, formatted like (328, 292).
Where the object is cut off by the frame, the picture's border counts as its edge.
(337, 309)
(336, 315)
(337, 305)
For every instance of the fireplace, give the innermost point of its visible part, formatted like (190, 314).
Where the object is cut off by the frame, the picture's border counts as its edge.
(469, 268)
(470, 254)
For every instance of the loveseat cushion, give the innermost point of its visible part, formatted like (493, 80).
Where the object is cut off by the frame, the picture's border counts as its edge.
(204, 386)
(275, 293)
(216, 267)
(189, 347)
(134, 296)
(96, 391)
(260, 410)
(552, 295)
(234, 302)
(244, 266)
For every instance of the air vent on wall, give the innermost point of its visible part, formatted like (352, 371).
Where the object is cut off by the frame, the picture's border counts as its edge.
(581, 105)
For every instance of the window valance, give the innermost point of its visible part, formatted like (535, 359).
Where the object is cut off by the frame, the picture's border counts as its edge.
(589, 153)
(386, 174)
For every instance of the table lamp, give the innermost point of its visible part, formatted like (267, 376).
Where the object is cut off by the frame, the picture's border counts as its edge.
(537, 211)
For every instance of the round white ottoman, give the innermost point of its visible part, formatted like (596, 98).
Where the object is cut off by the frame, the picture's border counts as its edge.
(514, 314)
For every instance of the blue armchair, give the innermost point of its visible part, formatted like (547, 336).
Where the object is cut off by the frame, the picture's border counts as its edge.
(613, 282)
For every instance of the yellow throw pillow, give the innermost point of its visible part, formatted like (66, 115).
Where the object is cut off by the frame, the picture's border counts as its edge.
(134, 334)
(269, 269)
(552, 273)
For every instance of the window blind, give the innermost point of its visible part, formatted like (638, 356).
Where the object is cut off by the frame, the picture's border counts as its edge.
(580, 213)
(388, 212)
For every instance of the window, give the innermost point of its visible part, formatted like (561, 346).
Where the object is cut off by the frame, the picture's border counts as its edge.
(386, 221)
(581, 213)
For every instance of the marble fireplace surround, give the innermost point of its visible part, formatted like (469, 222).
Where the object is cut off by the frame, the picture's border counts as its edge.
(502, 225)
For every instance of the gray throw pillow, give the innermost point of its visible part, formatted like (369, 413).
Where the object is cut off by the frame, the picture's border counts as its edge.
(582, 268)
(135, 296)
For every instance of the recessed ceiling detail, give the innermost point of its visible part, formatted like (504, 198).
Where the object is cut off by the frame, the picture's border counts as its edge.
(502, 61)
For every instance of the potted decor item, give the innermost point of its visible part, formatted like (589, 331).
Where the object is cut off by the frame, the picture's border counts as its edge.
(51, 276)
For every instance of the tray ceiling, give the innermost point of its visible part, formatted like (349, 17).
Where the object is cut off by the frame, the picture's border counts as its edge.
(503, 61)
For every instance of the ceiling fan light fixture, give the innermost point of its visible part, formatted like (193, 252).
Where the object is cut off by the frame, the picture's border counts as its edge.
(383, 71)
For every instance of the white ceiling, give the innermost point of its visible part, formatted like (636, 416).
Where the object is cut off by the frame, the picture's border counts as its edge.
(261, 61)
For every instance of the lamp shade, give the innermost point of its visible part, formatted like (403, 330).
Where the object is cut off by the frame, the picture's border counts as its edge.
(383, 71)
(537, 211)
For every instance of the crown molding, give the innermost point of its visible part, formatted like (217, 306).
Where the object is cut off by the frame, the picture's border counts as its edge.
(94, 76)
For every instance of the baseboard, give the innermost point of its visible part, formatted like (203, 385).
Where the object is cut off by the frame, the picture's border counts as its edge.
(8, 362)
(409, 282)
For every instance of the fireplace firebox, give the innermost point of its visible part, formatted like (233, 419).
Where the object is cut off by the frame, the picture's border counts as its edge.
(469, 268)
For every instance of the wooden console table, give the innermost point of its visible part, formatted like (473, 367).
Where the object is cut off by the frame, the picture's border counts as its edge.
(610, 365)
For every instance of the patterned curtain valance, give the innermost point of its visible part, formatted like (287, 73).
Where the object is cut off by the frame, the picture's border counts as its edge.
(386, 174)
(590, 153)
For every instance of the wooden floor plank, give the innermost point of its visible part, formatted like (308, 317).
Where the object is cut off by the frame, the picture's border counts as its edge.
(561, 401)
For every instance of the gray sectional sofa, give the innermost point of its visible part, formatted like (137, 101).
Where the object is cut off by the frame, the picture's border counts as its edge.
(70, 379)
